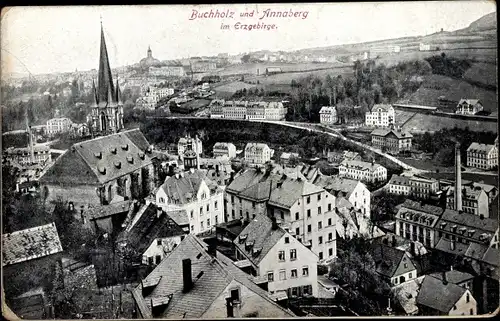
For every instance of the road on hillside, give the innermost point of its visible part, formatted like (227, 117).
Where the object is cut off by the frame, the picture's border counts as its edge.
(313, 127)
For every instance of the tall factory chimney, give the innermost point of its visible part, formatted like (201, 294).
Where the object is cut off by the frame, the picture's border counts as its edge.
(30, 137)
(458, 179)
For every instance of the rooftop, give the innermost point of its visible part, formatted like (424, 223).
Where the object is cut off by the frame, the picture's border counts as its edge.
(385, 132)
(183, 187)
(437, 295)
(387, 258)
(361, 165)
(337, 184)
(453, 276)
(288, 191)
(31, 243)
(383, 107)
(480, 148)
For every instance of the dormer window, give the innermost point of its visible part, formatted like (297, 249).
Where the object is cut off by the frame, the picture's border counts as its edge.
(243, 238)
(117, 164)
(102, 170)
(141, 156)
(98, 155)
(113, 150)
(130, 159)
(125, 147)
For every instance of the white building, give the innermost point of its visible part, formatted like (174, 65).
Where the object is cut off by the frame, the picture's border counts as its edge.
(469, 107)
(271, 253)
(193, 192)
(328, 115)
(420, 187)
(188, 142)
(363, 171)
(224, 150)
(58, 125)
(380, 115)
(482, 156)
(258, 153)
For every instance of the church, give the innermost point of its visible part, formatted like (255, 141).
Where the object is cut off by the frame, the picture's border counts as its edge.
(106, 116)
(149, 60)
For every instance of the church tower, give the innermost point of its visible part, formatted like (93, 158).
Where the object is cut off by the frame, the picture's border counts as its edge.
(150, 52)
(107, 107)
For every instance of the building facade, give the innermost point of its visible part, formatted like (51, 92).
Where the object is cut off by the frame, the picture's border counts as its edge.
(469, 107)
(474, 200)
(380, 115)
(41, 155)
(224, 150)
(328, 115)
(258, 153)
(189, 143)
(391, 141)
(363, 171)
(58, 125)
(417, 186)
(482, 156)
(250, 110)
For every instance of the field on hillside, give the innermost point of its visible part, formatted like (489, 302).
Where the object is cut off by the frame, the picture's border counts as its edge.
(402, 116)
(286, 78)
(482, 73)
(233, 86)
(435, 86)
(422, 123)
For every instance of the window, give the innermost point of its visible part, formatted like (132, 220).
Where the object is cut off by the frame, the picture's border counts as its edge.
(208, 207)
(282, 215)
(467, 298)
(158, 242)
(287, 240)
(319, 197)
(282, 275)
(320, 240)
(330, 252)
(308, 200)
(192, 213)
(232, 199)
(215, 204)
(232, 213)
(201, 225)
(454, 307)
(293, 254)
(319, 209)
(321, 255)
(150, 260)
(281, 255)
(305, 271)
(307, 289)
(406, 265)
(158, 259)
(297, 231)
(201, 210)
(320, 225)
(330, 236)
(294, 274)
(309, 228)
(192, 228)
(471, 311)
(409, 276)
(329, 222)
(308, 213)
(208, 222)
(162, 200)
(235, 295)
(270, 277)
(216, 220)
(203, 196)
(329, 207)
(297, 216)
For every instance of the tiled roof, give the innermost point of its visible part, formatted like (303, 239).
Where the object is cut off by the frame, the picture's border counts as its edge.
(31, 243)
(249, 178)
(406, 294)
(453, 276)
(425, 208)
(479, 148)
(399, 180)
(384, 108)
(436, 295)
(150, 227)
(259, 191)
(469, 220)
(469, 101)
(337, 184)
(217, 274)
(96, 212)
(184, 187)
(264, 238)
(224, 146)
(255, 147)
(468, 192)
(290, 190)
(328, 110)
(361, 165)
(472, 250)
(384, 132)
(100, 160)
(387, 258)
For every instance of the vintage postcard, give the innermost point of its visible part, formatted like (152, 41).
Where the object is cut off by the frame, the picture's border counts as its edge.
(250, 160)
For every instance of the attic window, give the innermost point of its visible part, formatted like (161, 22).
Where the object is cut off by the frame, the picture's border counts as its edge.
(130, 159)
(125, 147)
(249, 245)
(256, 251)
(141, 156)
(471, 232)
(243, 238)
(113, 150)
(98, 155)
(117, 164)
(102, 170)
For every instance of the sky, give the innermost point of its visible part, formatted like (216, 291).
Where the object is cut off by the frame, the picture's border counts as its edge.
(62, 39)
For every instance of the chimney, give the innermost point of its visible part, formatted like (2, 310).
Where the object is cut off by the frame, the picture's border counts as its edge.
(274, 225)
(444, 277)
(393, 241)
(212, 248)
(186, 275)
(412, 248)
(458, 179)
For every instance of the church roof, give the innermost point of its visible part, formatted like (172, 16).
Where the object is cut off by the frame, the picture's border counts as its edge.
(106, 93)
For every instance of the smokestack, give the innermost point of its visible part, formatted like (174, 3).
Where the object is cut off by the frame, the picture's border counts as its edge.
(458, 179)
(186, 275)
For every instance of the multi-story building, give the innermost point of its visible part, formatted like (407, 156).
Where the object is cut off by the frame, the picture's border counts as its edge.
(250, 110)
(203, 66)
(274, 255)
(363, 171)
(354, 191)
(482, 156)
(430, 299)
(224, 150)
(275, 110)
(58, 125)
(97, 171)
(380, 115)
(200, 282)
(41, 154)
(392, 264)
(200, 197)
(195, 144)
(328, 115)
(168, 71)
(258, 153)
(417, 222)
(412, 185)
(390, 140)
(469, 106)
(474, 200)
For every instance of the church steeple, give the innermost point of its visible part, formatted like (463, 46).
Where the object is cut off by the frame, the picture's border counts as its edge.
(105, 79)
(118, 94)
(150, 52)
(94, 95)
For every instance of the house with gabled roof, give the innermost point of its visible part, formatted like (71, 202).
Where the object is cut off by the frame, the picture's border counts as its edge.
(393, 264)
(482, 156)
(98, 170)
(391, 140)
(469, 106)
(439, 297)
(267, 251)
(197, 281)
(197, 195)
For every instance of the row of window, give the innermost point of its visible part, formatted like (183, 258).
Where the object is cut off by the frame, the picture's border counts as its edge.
(309, 227)
(283, 275)
(202, 225)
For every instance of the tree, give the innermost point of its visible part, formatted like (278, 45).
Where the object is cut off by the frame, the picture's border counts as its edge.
(245, 59)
